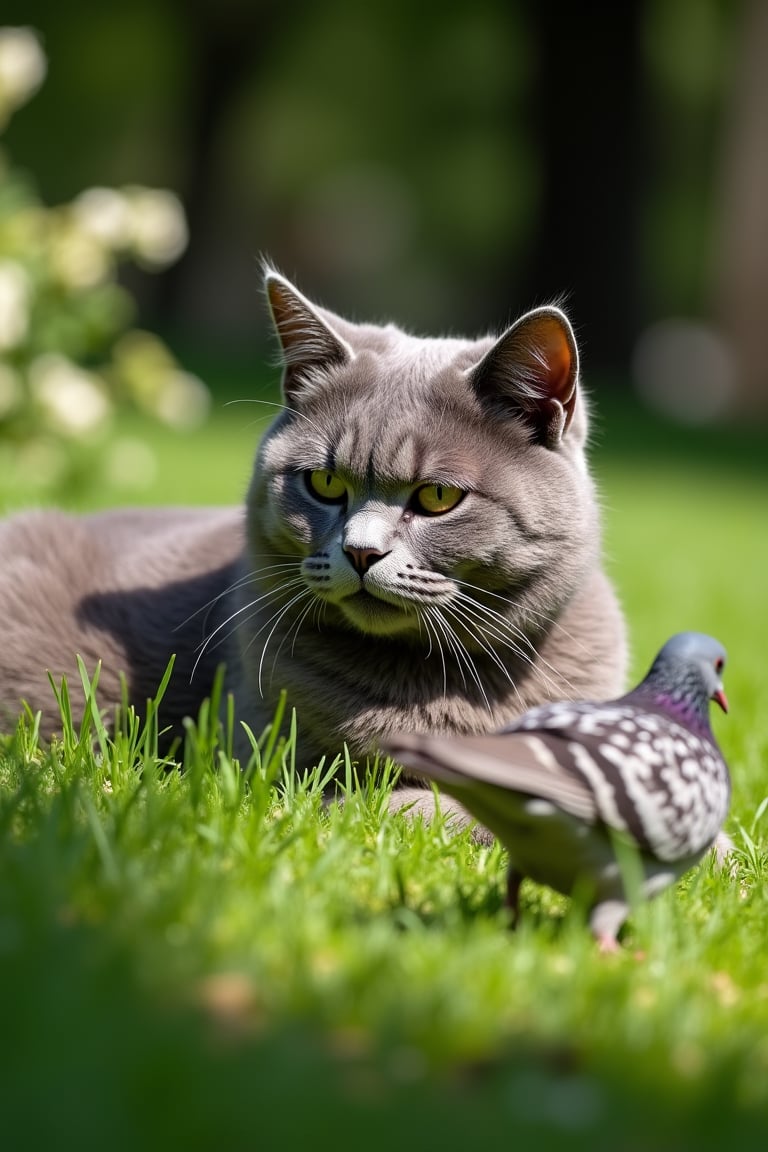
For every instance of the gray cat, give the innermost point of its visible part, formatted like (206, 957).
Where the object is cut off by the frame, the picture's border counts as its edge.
(420, 550)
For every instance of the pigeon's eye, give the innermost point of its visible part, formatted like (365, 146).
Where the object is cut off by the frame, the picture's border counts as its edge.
(719, 665)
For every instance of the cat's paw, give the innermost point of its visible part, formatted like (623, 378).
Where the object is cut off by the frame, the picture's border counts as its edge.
(420, 802)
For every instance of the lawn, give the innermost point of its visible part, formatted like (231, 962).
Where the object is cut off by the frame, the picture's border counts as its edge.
(207, 960)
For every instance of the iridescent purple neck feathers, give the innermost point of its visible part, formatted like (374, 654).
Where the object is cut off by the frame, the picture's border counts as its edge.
(683, 679)
(691, 712)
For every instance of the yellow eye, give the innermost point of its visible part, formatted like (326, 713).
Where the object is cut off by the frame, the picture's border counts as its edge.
(434, 499)
(326, 486)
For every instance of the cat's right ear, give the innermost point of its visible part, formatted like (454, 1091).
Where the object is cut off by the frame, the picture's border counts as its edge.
(532, 372)
(308, 342)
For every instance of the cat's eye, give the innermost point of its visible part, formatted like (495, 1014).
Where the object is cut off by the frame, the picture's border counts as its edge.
(434, 499)
(326, 485)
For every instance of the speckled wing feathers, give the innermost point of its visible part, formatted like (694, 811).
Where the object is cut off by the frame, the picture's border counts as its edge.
(665, 785)
(554, 785)
(517, 762)
(631, 769)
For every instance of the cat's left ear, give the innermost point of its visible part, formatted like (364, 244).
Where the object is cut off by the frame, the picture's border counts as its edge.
(533, 370)
(307, 335)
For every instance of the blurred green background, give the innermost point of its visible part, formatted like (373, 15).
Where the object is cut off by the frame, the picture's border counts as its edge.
(447, 165)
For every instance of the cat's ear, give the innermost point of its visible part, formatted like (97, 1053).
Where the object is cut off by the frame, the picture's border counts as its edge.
(532, 370)
(307, 337)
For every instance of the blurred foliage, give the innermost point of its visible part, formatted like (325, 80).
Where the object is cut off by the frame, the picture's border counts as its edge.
(446, 166)
(394, 157)
(689, 53)
(69, 361)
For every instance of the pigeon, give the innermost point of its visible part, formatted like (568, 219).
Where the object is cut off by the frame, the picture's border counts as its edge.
(567, 783)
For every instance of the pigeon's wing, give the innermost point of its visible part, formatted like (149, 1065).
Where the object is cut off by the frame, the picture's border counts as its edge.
(637, 773)
(519, 762)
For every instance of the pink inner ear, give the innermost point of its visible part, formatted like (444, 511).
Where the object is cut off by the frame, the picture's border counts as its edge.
(285, 310)
(532, 370)
(552, 358)
(306, 338)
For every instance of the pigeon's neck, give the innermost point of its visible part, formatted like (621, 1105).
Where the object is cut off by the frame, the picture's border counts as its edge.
(684, 706)
(687, 710)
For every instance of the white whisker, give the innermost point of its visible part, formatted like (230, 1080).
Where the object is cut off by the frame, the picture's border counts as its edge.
(430, 628)
(440, 625)
(508, 634)
(549, 621)
(252, 604)
(294, 627)
(552, 622)
(492, 624)
(462, 653)
(248, 578)
(422, 619)
(277, 618)
(285, 408)
(464, 616)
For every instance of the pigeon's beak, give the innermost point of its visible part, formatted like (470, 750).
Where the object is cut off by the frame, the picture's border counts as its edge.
(721, 698)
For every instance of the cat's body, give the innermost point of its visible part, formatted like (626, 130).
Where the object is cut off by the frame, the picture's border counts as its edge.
(123, 588)
(420, 551)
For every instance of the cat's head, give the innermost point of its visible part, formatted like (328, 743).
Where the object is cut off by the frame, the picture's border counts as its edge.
(426, 487)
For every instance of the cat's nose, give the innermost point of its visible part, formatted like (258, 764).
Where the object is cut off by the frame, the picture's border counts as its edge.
(361, 559)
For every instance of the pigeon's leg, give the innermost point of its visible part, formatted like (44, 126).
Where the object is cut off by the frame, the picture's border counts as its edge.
(605, 921)
(724, 850)
(514, 880)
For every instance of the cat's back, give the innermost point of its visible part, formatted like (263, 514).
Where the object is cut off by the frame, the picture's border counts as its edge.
(125, 547)
(47, 558)
(123, 587)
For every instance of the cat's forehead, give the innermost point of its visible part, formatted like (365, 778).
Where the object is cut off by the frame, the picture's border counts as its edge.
(388, 350)
(406, 413)
(400, 450)
(393, 371)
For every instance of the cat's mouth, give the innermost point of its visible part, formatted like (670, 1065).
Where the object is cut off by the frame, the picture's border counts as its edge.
(374, 615)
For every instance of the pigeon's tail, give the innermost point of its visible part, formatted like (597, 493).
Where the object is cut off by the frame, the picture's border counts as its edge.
(444, 764)
(464, 777)
(523, 762)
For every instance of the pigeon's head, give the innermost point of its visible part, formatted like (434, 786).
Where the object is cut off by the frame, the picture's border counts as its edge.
(691, 665)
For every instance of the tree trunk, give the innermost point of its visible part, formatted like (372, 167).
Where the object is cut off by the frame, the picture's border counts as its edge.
(585, 119)
(741, 261)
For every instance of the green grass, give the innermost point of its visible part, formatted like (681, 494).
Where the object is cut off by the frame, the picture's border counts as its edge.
(215, 959)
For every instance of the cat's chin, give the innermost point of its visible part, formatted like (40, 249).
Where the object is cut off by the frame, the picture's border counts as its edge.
(376, 617)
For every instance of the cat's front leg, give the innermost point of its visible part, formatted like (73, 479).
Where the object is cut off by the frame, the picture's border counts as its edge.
(420, 802)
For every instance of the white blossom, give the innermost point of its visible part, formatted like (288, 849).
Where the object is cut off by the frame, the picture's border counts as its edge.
(14, 304)
(72, 399)
(22, 68)
(105, 215)
(78, 260)
(158, 225)
(182, 400)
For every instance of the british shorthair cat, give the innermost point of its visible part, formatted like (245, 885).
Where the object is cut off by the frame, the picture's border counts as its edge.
(419, 551)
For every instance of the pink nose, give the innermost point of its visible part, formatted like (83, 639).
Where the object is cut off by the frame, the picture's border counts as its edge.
(361, 559)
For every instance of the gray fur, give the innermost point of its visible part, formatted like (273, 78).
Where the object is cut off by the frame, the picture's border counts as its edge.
(473, 616)
(124, 587)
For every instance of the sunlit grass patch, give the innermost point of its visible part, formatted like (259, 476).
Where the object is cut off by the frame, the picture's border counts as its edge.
(233, 907)
(219, 956)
